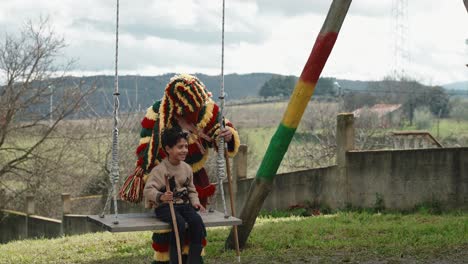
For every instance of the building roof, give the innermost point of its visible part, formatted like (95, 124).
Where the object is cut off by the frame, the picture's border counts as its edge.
(379, 109)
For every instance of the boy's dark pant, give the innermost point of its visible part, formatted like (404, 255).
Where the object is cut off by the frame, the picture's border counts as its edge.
(185, 213)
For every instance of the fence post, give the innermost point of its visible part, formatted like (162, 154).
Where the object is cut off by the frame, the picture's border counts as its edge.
(344, 142)
(240, 163)
(66, 209)
(344, 137)
(30, 207)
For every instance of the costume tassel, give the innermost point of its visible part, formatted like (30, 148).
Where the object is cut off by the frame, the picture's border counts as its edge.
(132, 189)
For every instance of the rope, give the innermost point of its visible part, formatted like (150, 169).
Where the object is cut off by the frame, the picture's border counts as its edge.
(114, 170)
(220, 161)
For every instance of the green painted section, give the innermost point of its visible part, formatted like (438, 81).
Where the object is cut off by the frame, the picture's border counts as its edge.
(274, 155)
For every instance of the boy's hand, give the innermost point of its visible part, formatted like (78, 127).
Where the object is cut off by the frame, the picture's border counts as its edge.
(199, 207)
(167, 197)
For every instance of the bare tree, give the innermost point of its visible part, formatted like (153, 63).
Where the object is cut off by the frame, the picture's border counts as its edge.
(30, 78)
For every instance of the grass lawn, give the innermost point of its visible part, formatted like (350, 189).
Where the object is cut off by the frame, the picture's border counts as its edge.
(339, 238)
(447, 127)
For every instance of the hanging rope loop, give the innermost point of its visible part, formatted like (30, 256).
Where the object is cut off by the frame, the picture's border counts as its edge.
(114, 174)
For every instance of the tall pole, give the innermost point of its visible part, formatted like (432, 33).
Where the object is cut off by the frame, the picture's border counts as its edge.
(51, 107)
(280, 141)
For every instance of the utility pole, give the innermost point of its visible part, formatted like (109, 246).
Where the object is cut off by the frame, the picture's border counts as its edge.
(51, 107)
(340, 96)
(136, 94)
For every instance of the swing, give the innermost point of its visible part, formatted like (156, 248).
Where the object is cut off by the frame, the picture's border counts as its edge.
(147, 221)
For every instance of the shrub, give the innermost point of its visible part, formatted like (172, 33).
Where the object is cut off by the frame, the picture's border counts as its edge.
(423, 118)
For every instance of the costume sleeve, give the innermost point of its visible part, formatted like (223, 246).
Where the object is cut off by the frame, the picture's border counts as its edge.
(192, 191)
(213, 128)
(154, 183)
(147, 150)
(233, 145)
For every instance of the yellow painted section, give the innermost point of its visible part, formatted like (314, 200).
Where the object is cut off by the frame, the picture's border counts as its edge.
(298, 103)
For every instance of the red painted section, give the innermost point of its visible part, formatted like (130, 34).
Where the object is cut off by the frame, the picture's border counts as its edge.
(318, 57)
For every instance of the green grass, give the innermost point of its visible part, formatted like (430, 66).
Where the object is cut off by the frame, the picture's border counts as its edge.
(343, 237)
(448, 127)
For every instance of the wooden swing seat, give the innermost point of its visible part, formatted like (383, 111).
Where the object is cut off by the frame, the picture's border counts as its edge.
(149, 222)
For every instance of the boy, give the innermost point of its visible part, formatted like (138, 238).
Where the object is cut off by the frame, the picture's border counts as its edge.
(184, 195)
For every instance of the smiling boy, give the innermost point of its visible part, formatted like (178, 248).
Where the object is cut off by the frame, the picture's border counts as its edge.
(184, 194)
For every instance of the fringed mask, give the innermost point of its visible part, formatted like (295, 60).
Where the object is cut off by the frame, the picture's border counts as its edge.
(184, 97)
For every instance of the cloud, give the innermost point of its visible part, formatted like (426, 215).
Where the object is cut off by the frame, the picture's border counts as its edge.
(261, 36)
(290, 8)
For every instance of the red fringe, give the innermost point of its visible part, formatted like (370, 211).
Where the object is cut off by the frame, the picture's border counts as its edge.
(164, 247)
(204, 192)
(132, 189)
(160, 247)
(141, 148)
(140, 161)
(147, 123)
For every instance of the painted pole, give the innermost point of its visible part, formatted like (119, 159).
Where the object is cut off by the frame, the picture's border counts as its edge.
(280, 141)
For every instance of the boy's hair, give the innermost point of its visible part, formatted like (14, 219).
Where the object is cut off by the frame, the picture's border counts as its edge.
(170, 136)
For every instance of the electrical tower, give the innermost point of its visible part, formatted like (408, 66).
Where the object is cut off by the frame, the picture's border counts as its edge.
(401, 55)
(466, 41)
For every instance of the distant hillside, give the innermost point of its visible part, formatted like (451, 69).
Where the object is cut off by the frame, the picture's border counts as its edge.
(151, 88)
(456, 86)
(237, 87)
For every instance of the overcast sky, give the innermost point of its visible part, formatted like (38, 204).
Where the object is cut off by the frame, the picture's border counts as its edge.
(276, 36)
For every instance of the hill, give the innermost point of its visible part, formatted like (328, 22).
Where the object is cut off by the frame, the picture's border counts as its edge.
(139, 92)
(456, 86)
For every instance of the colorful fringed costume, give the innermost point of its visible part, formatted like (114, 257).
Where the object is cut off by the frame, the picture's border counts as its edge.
(186, 103)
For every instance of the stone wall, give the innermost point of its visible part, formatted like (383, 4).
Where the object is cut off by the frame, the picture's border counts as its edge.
(407, 178)
(17, 225)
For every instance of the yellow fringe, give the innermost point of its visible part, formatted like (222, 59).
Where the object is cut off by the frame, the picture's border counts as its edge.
(150, 151)
(208, 114)
(145, 177)
(150, 114)
(162, 231)
(199, 165)
(144, 140)
(235, 137)
(213, 130)
(161, 256)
